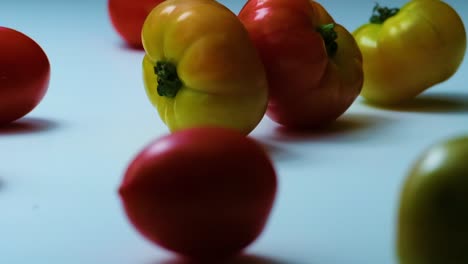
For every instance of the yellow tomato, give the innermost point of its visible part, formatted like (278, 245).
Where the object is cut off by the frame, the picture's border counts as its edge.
(408, 50)
(201, 68)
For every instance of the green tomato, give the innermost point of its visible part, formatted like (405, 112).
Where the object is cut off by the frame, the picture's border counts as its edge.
(433, 213)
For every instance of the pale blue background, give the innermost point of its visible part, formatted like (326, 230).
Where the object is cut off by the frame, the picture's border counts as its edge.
(61, 165)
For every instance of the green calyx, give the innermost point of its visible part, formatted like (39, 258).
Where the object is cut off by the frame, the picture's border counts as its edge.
(380, 14)
(168, 79)
(329, 37)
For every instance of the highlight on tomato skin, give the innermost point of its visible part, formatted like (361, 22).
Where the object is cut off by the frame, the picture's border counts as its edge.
(202, 193)
(24, 75)
(127, 18)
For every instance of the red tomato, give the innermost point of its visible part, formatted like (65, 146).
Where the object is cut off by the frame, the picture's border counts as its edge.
(200, 192)
(313, 64)
(24, 75)
(128, 16)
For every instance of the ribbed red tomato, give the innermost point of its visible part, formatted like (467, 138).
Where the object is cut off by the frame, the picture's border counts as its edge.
(24, 75)
(200, 192)
(313, 64)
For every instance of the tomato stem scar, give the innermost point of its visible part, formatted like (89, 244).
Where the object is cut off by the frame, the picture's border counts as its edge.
(380, 14)
(329, 36)
(168, 79)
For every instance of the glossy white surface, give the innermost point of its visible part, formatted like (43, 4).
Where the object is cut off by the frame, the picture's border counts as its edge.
(61, 165)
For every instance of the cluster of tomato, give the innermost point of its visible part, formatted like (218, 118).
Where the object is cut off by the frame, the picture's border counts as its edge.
(288, 58)
(207, 67)
(206, 190)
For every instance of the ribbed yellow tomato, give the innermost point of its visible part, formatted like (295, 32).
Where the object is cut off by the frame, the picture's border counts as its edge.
(408, 50)
(201, 68)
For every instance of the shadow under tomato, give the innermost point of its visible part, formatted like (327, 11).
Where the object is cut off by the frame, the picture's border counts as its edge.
(276, 151)
(28, 125)
(127, 47)
(350, 126)
(431, 103)
(2, 184)
(242, 259)
(273, 149)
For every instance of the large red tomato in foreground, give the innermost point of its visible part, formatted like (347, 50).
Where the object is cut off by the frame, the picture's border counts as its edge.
(128, 16)
(313, 64)
(200, 192)
(24, 75)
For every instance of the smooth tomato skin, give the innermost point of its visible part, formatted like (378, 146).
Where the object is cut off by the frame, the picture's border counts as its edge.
(422, 45)
(24, 75)
(433, 213)
(223, 79)
(203, 192)
(307, 88)
(128, 16)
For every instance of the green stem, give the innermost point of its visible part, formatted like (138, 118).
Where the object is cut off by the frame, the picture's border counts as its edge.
(329, 37)
(380, 14)
(168, 79)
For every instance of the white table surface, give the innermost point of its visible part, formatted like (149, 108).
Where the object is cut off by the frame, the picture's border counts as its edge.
(61, 165)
